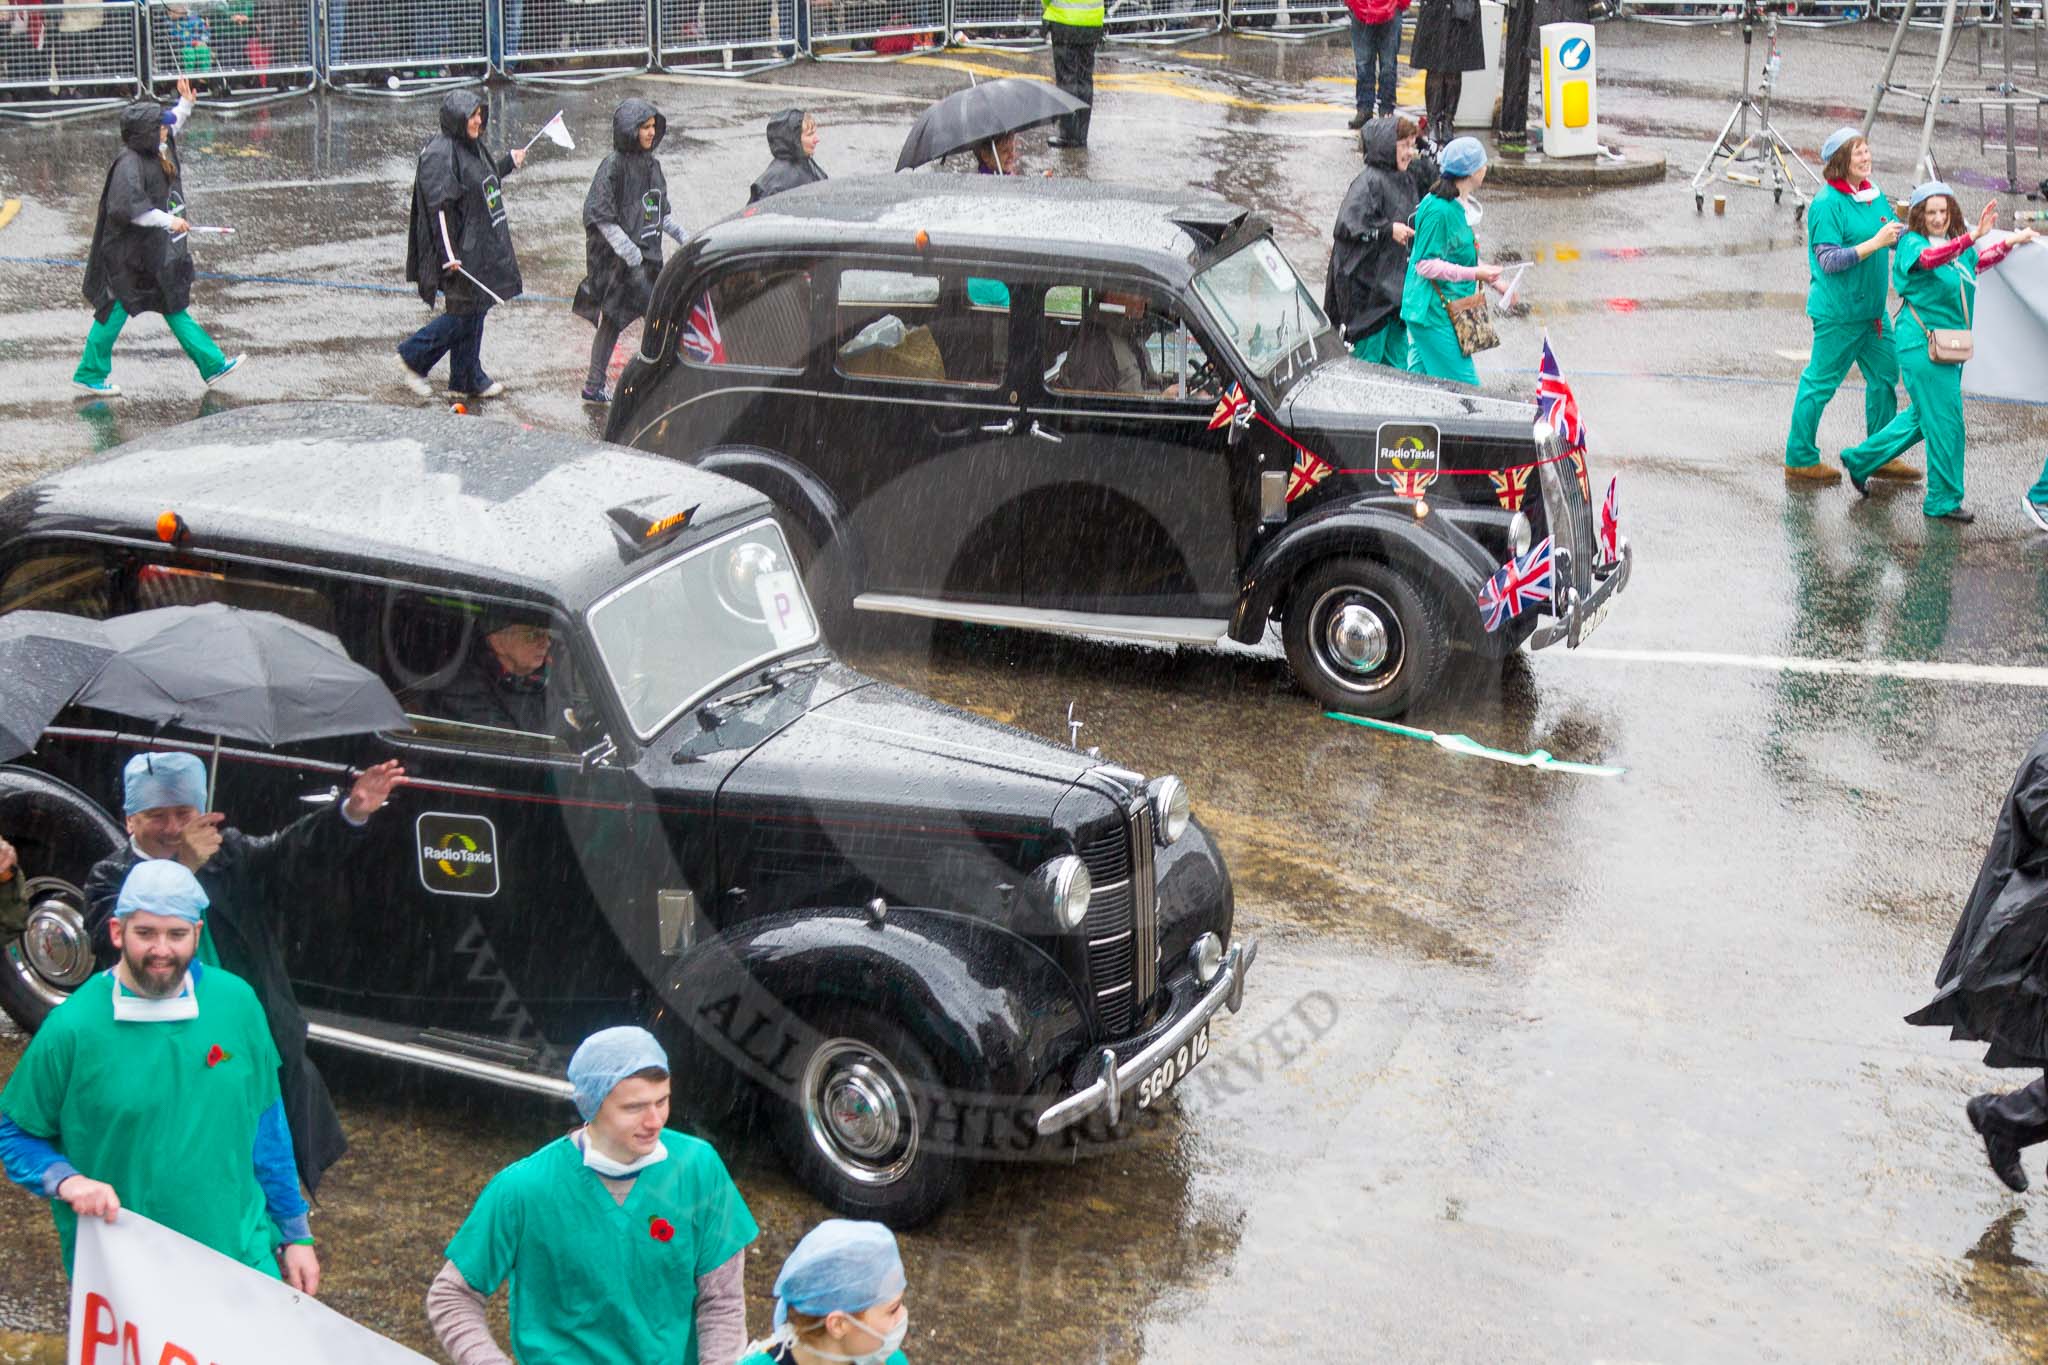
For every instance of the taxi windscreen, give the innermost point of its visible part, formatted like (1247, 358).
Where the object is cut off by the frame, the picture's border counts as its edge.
(667, 639)
(1261, 304)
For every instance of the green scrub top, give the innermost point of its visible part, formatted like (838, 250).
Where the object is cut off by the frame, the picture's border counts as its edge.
(1441, 234)
(1858, 294)
(1945, 297)
(165, 1111)
(595, 1282)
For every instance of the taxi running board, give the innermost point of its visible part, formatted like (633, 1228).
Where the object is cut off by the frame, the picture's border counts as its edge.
(1177, 630)
(436, 1060)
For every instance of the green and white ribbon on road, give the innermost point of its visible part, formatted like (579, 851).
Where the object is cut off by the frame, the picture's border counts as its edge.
(1465, 744)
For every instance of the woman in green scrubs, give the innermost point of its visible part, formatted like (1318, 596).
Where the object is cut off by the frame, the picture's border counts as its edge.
(1850, 229)
(1444, 264)
(1936, 276)
(839, 1300)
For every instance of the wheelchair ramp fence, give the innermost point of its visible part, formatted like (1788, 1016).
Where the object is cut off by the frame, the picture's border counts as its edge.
(60, 60)
(728, 37)
(236, 52)
(857, 30)
(1168, 21)
(403, 47)
(1018, 25)
(573, 41)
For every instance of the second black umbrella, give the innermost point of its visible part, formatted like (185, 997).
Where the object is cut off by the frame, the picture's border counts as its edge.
(982, 113)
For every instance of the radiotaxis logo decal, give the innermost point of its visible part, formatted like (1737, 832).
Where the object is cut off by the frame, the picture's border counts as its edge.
(1405, 456)
(458, 854)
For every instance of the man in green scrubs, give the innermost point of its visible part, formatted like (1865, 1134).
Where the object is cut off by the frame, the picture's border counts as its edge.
(154, 1088)
(1850, 229)
(624, 1241)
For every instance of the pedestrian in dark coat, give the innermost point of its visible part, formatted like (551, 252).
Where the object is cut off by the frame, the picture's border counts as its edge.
(1448, 43)
(252, 885)
(139, 262)
(625, 213)
(1992, 986)
(460, 247)
(792, 141)
(1369, 245)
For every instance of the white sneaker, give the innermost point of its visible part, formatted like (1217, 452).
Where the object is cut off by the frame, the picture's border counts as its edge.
(414, 380)
(224, 371)
(110, 389)
(496, 390)
(2036, 512)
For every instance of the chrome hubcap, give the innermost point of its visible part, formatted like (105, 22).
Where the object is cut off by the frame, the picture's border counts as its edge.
(859, 1111)
(54, 954)
(1358, 639)
(1355, 638)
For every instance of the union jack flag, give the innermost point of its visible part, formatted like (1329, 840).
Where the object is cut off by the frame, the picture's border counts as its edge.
(1510, 486)
(701, 340)
(1555, 403)
(1517, 585)
(1610, 526)
(1232, 408)
(1309, 470)
(1413, 483)
(1578, 458)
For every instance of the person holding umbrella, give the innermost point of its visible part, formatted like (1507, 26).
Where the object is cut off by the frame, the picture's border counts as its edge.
(460, 247)
(139, 262)
(625, 213)
(250, 885)
(985, 119)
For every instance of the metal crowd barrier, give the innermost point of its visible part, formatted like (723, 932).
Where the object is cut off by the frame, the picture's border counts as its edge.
(738, 37)
(403, 47)
(844, 30)
(1679, 12)
(1013, 24)
(1287, 18)
(1167, 21)
(238, 51)
(572, 40)
(1927, 13)
(1824, 13)
(60, 59)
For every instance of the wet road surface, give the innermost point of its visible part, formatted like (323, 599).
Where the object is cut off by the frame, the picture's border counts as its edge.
(1534, 1066)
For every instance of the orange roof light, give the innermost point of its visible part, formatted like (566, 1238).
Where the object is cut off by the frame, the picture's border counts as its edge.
(923, 239)
(171, 528)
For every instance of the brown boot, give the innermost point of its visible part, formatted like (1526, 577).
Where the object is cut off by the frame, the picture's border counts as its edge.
(1897, 469)
(1814, 473)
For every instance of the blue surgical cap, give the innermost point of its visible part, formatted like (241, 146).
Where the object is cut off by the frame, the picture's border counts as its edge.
(839, 1267)
(1462, 156)
(607, 1057)
(1923, 193)
(161, 886)
(1835, 141)
(151, 781)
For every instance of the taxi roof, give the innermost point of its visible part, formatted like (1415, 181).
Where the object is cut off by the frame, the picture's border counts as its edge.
(422, 495)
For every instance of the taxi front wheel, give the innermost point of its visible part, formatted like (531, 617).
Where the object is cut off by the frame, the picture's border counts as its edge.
(1362, 638)
(45, 953)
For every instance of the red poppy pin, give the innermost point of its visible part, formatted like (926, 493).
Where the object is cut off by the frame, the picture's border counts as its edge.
(217, 1054)
(660, 1229)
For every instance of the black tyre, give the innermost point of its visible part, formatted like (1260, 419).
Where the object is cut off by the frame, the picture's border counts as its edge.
(59, 835)
(857, 1131)
(1362, 638)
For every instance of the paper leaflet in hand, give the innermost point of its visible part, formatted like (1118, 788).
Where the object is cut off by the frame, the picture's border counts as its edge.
(1511, 285)
(555, 131)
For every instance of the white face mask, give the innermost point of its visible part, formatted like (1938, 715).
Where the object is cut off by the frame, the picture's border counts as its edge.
(1473, 211)
(891, 1343)
(604, 1165)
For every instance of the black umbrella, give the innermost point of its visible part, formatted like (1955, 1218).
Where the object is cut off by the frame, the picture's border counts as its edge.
(44, 656)
(982, 113)
(251, 675)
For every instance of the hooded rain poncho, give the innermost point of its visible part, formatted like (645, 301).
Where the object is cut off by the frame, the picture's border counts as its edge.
(144, 269)
(1367, 266)
(1992, 986)
(458, 177)
(629, 194)
(791, 167)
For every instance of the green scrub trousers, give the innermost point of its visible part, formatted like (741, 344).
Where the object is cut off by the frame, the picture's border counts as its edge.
(1935, 416)
(1433, 350)
(1837, 346)
(2039, 492)
(1387, 346)
(98, 361)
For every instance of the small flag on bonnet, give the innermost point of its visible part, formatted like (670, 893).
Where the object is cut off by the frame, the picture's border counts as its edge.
(1517, 585)
(1610, 526)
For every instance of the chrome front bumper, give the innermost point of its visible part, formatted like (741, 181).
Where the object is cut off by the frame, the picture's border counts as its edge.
(1119, 1075)
(1581, 614)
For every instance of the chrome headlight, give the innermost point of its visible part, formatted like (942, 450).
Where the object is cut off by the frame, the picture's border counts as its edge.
(745, 563)
(1521, 535)
(1066, 886)
(1206, 956)
(1549, 444)
(1170, 809)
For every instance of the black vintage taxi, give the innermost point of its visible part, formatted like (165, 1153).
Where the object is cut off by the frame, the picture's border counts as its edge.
(995, 400)
(900, 936)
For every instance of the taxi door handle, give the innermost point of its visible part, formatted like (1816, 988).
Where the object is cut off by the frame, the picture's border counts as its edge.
(1006, 427)
(322, 798)
(1046, 433)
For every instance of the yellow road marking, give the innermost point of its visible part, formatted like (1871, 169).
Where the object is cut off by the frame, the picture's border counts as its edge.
(1170, 86)
(8, 210)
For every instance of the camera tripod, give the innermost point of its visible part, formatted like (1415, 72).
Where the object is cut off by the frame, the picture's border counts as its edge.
(1773, 155)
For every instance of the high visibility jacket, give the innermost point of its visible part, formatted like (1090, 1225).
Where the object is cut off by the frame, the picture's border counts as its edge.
(1079, 13)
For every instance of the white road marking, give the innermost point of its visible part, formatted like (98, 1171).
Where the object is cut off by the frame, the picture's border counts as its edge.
(1999, 675)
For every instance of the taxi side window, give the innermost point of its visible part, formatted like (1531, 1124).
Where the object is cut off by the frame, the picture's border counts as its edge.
(480, 674)
(98, 583)
(1122, 339)
(944, 327)
(77, 581)
(756, 318)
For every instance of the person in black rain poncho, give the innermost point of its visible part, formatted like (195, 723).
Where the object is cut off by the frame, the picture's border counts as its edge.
(460, 247)
(625, 214)
(792, 141)
(1992, 986)
(1369, 245)
(139, 262)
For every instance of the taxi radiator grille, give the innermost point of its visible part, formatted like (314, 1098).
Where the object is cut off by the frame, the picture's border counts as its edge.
(1110, 929)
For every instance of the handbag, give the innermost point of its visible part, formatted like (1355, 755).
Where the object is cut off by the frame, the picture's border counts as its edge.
(1948, 345)
(1472, 323)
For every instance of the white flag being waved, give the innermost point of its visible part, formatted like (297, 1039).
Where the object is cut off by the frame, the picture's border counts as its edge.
(141, 1292)
(555, 131)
